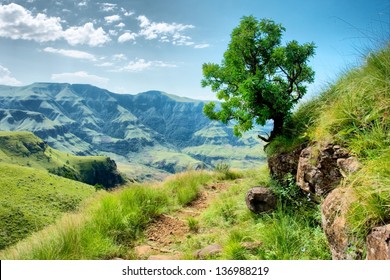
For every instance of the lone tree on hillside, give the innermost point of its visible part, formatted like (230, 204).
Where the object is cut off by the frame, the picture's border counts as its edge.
(259, 79)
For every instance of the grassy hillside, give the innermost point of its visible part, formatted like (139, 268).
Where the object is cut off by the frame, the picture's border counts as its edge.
(113, 223)
(25, 149)
(31, 199)
(353, 112)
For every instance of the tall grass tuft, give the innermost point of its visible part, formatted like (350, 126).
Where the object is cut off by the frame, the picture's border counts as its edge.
(184, 187)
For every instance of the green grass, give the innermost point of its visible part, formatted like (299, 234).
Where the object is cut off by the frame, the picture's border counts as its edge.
(26, 149)
(31, 199)
(110, 223)
(353, 112)
(287, 233)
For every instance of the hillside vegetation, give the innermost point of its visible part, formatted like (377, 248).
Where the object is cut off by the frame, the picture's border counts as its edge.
(114, 223)
(146, 133)
(38, 184)
(31, 199)
(26, 149)
(353, 112)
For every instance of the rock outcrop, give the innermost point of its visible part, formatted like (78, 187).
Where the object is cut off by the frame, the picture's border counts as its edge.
(320, 170)
(334, 210)
(283, 164)
(260, 199)
(378, 243)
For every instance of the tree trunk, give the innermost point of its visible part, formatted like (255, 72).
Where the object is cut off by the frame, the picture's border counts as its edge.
(278, 126)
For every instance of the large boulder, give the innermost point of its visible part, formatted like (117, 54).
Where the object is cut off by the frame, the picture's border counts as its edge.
(334, 211)
(320, 169)
(260, 199)
(378, 243)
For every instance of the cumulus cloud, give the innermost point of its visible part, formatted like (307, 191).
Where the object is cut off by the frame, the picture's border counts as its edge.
(71, 53)
(86, 34)
(127, 37)
(18, 23)
(120, 25)
(165, 32)
(6, 78)
(80, 77)
(113, 18)
(140, 65)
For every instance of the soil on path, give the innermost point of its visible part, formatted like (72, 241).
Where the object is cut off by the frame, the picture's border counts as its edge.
(167, 230)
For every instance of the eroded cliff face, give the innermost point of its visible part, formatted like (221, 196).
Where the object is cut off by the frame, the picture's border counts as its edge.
(319, 170)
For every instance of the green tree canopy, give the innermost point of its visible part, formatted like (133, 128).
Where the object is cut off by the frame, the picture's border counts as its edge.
(259, 79)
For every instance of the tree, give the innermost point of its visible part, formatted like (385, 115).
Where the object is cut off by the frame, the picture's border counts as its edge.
(258, 79)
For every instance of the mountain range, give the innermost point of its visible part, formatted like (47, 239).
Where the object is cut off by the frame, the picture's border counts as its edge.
(149, 135)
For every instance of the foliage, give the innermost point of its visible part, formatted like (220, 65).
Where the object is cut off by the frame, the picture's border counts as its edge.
(353, 112)
(258, 79)
(193, 224)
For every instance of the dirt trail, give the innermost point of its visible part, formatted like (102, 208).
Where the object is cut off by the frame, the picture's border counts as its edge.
(167, 230)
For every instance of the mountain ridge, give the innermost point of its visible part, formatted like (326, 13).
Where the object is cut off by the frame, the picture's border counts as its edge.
(151, 128)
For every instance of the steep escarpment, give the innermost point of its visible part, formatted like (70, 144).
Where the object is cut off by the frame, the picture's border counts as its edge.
(26, 149)
(337, 151)
(142, 130)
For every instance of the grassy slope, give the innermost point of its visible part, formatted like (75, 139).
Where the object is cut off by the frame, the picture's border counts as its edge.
(354, 112)
(31, 199)
(114, 222)
(26, 149)
(111, 222)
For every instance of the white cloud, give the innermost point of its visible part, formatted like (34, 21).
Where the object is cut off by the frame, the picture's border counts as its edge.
(127, 37)
(126, 13)
(105, 64)
(140, 65)
(119, 57)
(120, 25)
(165, 32)
(71, 53)
(86, 34)
(82, 4)
(6, 78)
(18, 23)
(201, 46)
(107, 7)
(80, 77)
(113, 18)
(113, 32)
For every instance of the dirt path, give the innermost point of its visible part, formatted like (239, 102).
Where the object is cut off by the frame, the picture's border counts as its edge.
(168, 230)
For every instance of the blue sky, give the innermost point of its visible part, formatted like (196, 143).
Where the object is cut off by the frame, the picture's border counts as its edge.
(138, 45)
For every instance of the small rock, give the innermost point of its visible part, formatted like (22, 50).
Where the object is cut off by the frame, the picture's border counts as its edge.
(260, 199)
(209, 251)
(143, 251)
(378, 243)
